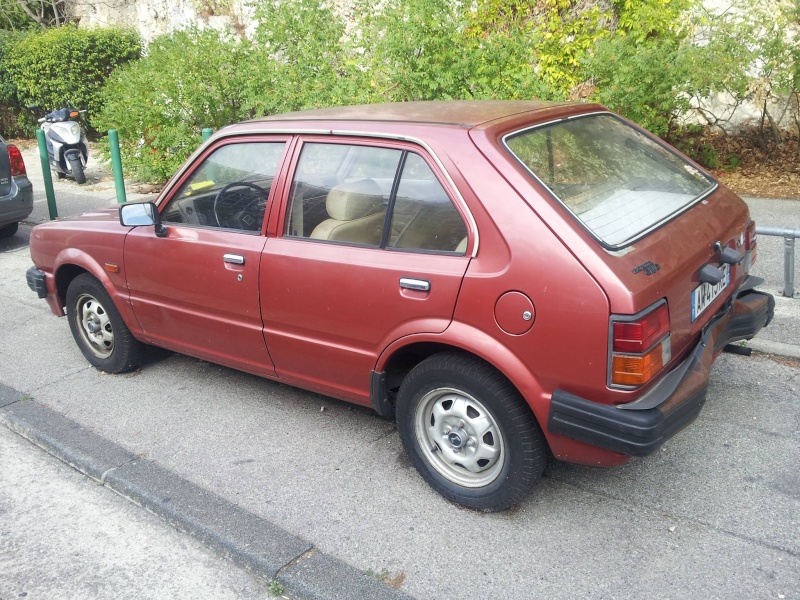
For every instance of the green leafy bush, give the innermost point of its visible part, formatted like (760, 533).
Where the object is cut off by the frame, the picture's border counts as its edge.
(646, 82)
(650, 60)
(10, 124)
(159, 105)
(67, 66)
(304, 58)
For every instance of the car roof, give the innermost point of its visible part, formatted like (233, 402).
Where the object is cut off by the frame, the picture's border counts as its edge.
(454, 113)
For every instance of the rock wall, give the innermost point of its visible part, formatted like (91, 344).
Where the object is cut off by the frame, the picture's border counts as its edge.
(155, 17)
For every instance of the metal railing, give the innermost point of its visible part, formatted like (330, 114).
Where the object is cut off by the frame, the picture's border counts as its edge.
(788, 236)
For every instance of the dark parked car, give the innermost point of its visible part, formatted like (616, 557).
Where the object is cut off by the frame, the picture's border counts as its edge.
(16, 191)
(506, 279)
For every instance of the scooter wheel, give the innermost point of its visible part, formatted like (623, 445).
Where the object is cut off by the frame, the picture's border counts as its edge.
(77, 170)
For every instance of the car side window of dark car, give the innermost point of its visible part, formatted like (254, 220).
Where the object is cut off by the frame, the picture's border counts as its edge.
(229, 189)
(346, 193)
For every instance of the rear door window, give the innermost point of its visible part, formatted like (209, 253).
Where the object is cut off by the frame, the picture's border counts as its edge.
(423, 217)
(372, 196)
(617, 181)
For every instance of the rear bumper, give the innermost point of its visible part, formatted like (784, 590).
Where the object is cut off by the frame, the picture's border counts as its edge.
(641, 427)
(16, 206)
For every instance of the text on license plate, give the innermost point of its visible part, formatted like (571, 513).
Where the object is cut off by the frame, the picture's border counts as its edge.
(706, 293)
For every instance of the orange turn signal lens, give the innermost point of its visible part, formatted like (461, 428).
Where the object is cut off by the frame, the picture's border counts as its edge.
(637, 370)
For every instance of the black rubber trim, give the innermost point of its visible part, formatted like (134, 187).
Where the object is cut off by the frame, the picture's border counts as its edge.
(380, 397)
(36, 281)
(634, 432)
(640, 428)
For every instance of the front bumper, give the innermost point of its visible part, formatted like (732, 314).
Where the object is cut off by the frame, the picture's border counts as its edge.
(641, 427)
(37, 281)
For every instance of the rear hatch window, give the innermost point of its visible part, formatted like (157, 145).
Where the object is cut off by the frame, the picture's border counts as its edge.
(618, 182)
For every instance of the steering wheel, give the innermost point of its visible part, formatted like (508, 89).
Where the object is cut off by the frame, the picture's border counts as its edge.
(263, 194)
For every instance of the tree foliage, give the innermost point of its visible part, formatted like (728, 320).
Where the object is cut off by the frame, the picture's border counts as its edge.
(650, 60)
(187, 81)
(68, 66)
(25, 14)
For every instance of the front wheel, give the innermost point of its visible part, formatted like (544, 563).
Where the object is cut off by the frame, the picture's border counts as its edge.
(469, 432)
(77, 170)
(98, 328)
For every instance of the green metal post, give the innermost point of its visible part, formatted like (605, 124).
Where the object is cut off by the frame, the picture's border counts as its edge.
(116, 166)
(207, 133)
(48, 178)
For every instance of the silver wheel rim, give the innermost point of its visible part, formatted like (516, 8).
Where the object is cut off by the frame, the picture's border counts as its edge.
(94, 325)
(459, 437)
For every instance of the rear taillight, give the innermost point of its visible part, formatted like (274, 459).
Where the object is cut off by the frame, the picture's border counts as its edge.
(640, 346)
(17, 164)
(750, 246)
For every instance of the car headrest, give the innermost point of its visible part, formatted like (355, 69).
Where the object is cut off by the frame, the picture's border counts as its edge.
(354, 199)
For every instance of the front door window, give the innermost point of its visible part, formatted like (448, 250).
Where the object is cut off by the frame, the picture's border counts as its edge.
(229, 189)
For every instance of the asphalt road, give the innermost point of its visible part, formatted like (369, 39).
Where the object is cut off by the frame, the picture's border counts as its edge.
(714, 514)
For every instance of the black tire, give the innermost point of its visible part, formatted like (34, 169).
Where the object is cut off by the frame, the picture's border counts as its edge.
(453, 408)
(8, 230)
(77, 170)
(98, 328)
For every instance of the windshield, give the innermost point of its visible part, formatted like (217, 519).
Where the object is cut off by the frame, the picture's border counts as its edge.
(617, 181)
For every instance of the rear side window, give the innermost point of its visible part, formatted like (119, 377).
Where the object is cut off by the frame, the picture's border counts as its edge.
(424, 218)
(618, 182)
(372, 196)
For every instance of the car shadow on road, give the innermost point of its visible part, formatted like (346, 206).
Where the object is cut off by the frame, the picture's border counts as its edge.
(15, 242)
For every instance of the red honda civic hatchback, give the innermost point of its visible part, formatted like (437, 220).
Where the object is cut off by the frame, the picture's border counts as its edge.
(505, 279)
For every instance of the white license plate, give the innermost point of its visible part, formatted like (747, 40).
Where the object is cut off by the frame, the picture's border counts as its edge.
(706, 293)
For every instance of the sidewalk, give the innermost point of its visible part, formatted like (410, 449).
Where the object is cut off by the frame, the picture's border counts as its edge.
(782, 337)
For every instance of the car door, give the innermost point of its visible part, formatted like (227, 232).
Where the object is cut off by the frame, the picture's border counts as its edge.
(372, 249)
(196, 289)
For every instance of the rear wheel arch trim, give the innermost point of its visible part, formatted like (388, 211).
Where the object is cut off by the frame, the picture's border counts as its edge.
(464, 338)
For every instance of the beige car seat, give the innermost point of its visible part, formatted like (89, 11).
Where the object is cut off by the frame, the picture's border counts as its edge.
(357, 212)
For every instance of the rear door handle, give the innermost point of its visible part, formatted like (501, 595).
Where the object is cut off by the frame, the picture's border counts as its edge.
(234, 259)
(410, 283)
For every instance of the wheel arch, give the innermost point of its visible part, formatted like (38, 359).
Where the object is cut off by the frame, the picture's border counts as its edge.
(399, 358)
(71, 263)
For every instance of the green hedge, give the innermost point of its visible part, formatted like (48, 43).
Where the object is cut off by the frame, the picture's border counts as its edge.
(66, 66)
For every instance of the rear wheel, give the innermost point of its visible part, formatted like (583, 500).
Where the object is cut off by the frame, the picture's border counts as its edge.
(77, 170)
(8, 230)
(469, 432)
(98, 328)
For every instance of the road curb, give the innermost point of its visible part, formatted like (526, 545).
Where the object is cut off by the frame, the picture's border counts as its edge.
(776, 348)
(265, 550)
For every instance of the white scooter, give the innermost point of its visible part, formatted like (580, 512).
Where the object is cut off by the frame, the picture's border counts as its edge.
(67, 147)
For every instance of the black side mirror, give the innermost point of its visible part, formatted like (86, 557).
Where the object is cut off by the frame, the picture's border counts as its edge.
(135, 214)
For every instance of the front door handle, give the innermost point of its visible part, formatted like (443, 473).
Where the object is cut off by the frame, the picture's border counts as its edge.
(409, 283)
(234, 259)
